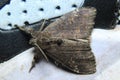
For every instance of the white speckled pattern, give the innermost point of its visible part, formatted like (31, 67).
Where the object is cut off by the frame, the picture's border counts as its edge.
(20, 11)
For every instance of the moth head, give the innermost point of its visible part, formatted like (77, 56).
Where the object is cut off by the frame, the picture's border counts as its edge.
(33, 41)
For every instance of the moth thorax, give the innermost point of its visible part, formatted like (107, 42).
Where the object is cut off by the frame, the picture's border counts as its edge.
(43, 35)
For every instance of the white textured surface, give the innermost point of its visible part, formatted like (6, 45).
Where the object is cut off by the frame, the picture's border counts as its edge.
(20, 11)
(105, 45)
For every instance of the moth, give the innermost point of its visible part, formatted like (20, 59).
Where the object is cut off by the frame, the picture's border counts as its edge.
(67, 41)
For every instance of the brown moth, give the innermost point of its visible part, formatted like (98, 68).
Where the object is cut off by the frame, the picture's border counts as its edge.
(67, 41)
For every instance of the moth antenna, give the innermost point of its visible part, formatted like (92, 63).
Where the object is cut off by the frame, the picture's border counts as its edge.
(42, 52)
(20, 28)
(41, 28)
(26, 30)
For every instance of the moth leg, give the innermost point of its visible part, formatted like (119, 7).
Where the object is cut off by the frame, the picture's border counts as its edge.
(33, 65)
(37, 58)
(45, 56)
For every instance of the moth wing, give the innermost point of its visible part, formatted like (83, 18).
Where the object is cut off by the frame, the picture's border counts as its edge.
(74, 53)
(75, 56)
(74, 25)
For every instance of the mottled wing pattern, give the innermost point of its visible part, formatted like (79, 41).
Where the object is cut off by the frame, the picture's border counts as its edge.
(74, 55)
(74, 25)
(69, 43)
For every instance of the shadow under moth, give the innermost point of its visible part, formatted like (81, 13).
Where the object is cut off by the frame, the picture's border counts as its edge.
(67, 41)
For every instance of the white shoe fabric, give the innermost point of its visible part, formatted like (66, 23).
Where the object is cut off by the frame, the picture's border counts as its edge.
(20, 12)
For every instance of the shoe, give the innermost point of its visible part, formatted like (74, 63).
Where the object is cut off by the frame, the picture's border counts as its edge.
(118, 10)
(30, 12)
(106, 10)
(26, 12)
